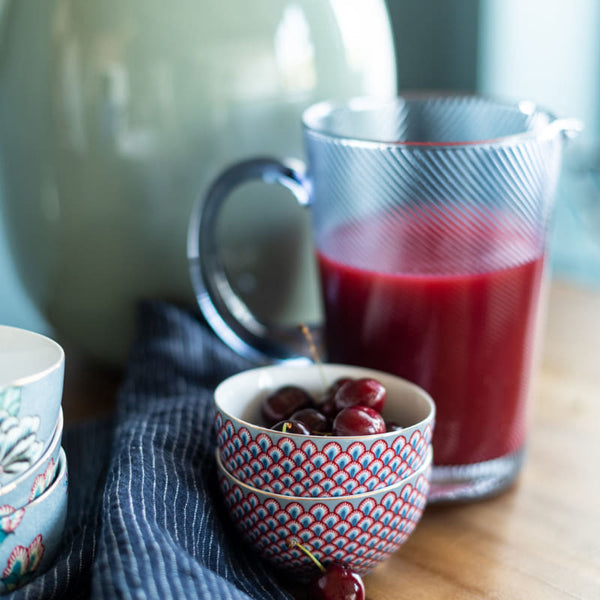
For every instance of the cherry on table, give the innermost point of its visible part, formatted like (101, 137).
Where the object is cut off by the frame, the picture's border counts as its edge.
(365, 391)
(358, 420)
(334, 582)
(283, 402)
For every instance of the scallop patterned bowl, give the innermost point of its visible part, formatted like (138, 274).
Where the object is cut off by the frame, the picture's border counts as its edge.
(359, 531)
(30, 535)
(31, 384)
(313, 465)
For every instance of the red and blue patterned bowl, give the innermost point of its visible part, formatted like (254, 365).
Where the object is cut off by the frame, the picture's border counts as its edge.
(359, 531)
(317, 466)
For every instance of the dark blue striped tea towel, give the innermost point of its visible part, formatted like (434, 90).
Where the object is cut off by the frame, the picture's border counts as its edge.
(145, 518)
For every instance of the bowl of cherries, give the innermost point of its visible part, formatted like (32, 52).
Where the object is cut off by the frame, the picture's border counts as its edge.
(336, 458)
(320, 430)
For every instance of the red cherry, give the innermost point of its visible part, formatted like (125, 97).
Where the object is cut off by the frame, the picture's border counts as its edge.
(358, 420)
(338, 383)
(313, 419)
(327, 404)
(327, 407)
(393, 426)
(291, 426)
(336, 583)
(282, 403)
(366, 392)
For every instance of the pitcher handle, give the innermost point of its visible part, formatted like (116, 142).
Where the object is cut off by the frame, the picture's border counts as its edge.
(226, 312)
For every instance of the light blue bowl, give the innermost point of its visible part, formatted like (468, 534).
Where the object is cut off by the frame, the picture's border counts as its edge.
(37, 478)
(30, 536)
(31, 385)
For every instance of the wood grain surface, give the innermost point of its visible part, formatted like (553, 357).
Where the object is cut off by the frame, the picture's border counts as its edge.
(541, 538)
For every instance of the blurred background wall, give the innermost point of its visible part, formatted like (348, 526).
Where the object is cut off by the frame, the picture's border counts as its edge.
(16, 308)
(545, 50)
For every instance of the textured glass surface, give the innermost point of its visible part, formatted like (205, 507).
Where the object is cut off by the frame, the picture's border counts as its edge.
(462, 165)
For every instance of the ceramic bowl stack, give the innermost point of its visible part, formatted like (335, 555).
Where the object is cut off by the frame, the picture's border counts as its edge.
(33, 466)
(351, 500)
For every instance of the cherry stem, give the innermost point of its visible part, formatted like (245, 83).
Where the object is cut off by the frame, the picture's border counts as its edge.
(315, 353)
(295, 543)
(285, 427)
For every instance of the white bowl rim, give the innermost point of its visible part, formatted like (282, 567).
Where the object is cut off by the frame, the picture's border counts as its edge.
(39, 373)
(366, 370)
(402, 482)
(45, 456)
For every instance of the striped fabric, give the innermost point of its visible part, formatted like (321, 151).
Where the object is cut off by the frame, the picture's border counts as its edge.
(146, 519)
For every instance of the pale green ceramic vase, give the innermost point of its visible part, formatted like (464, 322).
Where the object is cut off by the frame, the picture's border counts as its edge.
(114, 116)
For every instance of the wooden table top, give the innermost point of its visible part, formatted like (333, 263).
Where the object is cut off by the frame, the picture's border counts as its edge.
(538, 540)
(541, 538)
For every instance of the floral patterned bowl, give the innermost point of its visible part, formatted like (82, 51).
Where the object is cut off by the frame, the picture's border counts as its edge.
(317, 466)
(32, 482)
(31, 383)
(359, 531)
(30, 535)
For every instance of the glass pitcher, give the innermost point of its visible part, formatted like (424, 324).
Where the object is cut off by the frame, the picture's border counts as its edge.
(430, 218)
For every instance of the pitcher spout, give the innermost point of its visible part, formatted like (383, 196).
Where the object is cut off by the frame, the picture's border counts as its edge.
(569, 128)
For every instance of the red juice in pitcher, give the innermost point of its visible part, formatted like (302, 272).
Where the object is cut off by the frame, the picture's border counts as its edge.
(452, 308)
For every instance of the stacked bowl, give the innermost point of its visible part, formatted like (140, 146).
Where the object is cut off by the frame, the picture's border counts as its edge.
(351, 500)
(33, 466)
